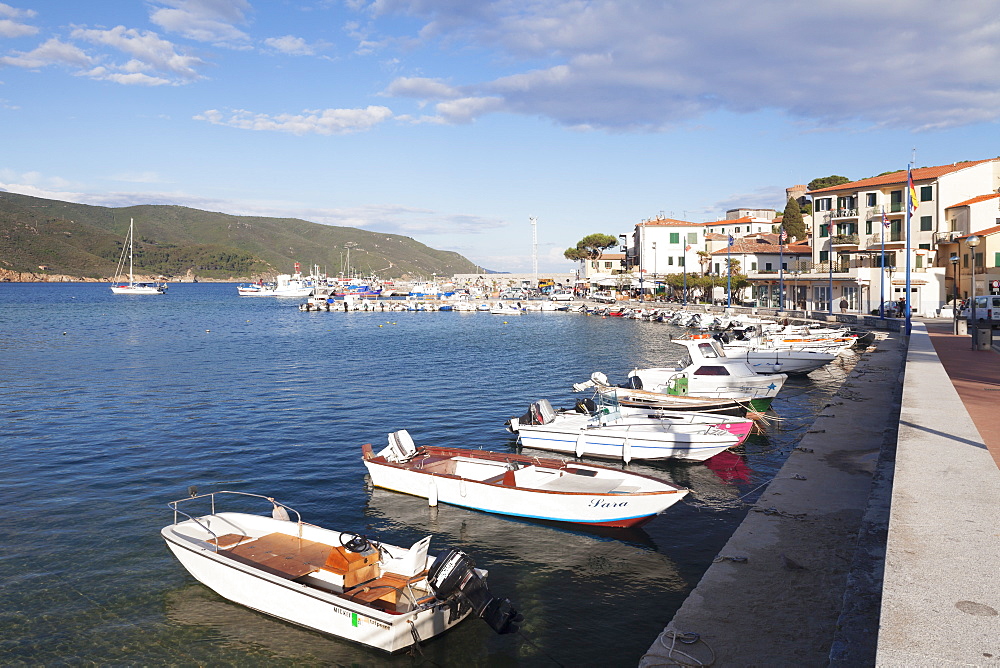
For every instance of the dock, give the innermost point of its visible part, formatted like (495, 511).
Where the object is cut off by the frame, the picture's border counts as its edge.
(878, 542)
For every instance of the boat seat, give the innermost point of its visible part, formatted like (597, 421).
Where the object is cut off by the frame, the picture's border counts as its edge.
(388, 588)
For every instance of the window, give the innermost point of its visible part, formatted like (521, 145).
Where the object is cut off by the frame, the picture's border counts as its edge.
(717, 267)
(767, 266)
(925, 222)
(920, 262)
(607, 265)
(712, 371)
(753, 265)
(670, 260)
(980, 259)
(823, 204)
(926, 193)
(965, 260)
(680, 261)
(824, 230)
(870, 199)
(996, 259)
(824, 256)
(924, 246)
(868, 227)
(675, 237)
(692, 237)
(737, 230)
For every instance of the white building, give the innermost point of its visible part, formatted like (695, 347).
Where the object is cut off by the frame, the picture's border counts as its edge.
(848, 231)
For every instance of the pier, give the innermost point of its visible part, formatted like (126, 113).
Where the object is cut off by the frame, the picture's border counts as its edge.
(878, 542)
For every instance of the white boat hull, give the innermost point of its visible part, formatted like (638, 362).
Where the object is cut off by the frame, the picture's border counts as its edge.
(138, 289)
(628, 441)
(782, 361)
(294, 601)
(608, 503)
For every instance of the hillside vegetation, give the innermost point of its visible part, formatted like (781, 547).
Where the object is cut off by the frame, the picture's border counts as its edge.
(174, 241)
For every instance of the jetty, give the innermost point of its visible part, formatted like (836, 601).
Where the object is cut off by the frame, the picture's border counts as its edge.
(877, 543)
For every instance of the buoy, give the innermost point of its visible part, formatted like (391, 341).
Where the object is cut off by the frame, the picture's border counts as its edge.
(208, 330)
(381, 325)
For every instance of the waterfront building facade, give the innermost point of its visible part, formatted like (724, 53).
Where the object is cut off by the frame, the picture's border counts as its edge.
(859, 235)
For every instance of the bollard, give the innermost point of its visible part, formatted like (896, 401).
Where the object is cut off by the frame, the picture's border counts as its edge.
(984, 338)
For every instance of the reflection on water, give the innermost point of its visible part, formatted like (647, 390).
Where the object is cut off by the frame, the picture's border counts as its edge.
(112, 406)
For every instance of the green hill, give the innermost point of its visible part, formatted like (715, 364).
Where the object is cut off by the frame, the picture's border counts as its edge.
(172, 241)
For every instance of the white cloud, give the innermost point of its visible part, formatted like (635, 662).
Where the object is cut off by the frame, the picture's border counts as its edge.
(51, 52)
(291, 45)
(212, 21)
(9, 28)
(147, 49)
(322, 122)
(649, 65)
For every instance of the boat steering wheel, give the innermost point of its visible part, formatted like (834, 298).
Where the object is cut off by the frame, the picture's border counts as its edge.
(356, 542)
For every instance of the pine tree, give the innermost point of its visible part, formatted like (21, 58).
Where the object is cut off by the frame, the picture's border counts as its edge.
(791, 220)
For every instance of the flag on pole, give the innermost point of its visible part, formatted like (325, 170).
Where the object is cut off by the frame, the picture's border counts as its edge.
(885, 220)
(911, 192)
(687, 248)
(731, 240)
(784, 235)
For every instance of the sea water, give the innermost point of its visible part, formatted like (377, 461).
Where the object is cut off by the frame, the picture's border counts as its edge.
(113, 405)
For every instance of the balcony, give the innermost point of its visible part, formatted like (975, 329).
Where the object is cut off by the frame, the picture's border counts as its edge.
(844, 240)
(844, 213)
(890, 236)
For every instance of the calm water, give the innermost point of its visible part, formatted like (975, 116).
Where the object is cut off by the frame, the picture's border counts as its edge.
(110, 406)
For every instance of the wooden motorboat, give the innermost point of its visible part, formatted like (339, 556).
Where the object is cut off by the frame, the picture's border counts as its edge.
(736, 406)
(335, 582)
(510, 484)
(608, 433)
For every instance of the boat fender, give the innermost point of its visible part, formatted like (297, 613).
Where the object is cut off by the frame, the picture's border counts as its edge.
(432, 493)
(626, 451)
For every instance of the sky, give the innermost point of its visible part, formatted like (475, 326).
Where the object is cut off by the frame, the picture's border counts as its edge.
(455, 122)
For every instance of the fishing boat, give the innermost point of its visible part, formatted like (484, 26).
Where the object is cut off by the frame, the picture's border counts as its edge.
(511, 484)
(707, 371)
(736, 406)
(608, 433)
(133, 287)
(335, 582)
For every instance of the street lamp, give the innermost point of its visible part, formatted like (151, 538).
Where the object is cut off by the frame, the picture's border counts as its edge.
(954, 275)
(972, 242)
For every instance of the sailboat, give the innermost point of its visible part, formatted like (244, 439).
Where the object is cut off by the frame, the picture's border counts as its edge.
(133, 287)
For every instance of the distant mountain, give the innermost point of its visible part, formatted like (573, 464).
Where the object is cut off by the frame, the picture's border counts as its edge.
(175, 241)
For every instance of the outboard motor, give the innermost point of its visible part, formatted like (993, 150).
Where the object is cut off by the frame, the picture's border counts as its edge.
(453, 574)
(586, 406)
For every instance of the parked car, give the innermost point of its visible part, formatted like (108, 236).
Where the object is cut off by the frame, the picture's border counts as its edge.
(561, 296)
(604, 297)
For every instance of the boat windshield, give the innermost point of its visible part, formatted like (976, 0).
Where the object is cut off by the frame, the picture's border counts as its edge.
(608, 407)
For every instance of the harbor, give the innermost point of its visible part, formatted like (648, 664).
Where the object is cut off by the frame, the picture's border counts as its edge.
(114, 412)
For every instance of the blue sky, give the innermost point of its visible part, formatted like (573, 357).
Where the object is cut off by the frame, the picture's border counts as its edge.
(453, 122)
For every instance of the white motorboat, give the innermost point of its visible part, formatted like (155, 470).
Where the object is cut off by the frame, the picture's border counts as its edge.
(609, 434)
(766, 359)
(510, 484)
(133, 287)
(707, 371)
(504, 309)
(335, 582)
(736, 406)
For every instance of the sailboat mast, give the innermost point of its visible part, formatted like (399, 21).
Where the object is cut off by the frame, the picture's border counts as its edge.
(131, 280)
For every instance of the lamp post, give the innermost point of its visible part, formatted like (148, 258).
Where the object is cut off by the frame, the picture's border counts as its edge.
(653, 244)
(954, 302)
(972, 242)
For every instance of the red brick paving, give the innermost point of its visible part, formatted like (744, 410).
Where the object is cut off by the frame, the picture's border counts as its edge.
(976, 377)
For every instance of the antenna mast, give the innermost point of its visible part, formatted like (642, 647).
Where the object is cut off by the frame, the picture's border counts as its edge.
(534, 248)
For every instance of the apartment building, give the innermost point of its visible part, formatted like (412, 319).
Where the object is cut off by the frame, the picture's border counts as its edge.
(661, 246)
(859, 235)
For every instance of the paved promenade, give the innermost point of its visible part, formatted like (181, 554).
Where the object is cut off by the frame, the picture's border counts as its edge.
(941, 594)
(878, 542)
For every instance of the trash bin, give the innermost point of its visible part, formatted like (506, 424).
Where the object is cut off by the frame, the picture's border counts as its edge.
(984, 337)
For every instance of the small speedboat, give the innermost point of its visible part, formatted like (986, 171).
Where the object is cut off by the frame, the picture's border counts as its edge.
(736, 406)
(335, 582)
(609, 433)
(519, 485)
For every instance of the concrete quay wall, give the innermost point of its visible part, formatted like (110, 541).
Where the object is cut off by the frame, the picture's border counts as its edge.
(877, 543)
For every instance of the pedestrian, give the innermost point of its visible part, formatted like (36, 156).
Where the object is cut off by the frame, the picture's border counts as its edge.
(900, 308)
(843, 305)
